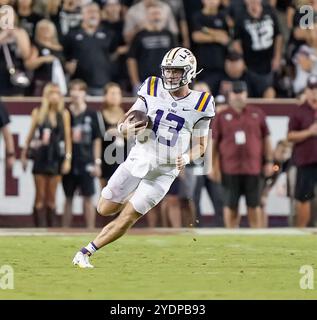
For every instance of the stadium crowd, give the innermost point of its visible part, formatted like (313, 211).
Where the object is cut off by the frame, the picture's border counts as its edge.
(246, 48)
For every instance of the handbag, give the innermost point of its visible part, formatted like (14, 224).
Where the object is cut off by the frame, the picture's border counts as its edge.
(17, 77)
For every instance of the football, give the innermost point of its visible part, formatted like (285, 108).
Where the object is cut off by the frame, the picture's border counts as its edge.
(136, 116)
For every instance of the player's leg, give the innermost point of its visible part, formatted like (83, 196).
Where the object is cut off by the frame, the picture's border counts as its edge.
(118, 227)
(112, 199)
(115, 193)
(147, 195)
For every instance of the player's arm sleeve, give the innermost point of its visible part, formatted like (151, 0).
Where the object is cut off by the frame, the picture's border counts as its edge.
(201, 127)
(141, 103)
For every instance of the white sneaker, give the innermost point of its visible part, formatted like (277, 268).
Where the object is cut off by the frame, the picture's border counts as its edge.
(82, 260)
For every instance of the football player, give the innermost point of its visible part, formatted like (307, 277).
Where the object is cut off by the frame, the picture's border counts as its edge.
(180, 120)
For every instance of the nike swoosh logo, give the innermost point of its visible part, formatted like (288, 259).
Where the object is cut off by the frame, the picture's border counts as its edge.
(186, 109)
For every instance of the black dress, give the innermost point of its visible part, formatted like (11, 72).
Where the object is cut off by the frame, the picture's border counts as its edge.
(50, 154)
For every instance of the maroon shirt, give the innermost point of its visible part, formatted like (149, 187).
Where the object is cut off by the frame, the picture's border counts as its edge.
(305, 152)
(237, 157)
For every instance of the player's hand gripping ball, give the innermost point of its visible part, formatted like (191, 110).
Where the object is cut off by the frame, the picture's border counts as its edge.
(136, 123)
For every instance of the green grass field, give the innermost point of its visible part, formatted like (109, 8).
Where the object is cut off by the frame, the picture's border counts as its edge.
(185, 266)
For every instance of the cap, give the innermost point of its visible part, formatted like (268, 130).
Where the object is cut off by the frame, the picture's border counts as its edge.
(312, 81)
(234, 56)
(239, 86)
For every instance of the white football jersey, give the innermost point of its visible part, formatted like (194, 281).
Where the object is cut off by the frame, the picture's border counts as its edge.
(174, 121)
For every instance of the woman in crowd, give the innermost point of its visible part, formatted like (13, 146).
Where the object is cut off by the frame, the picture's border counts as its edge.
(15, 48)
(48, 143)
(113, 144)
(46, 58)
(27, 17)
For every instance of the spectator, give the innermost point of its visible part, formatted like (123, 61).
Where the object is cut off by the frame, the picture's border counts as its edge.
(15, 43)
(148, 48)
(281, 163)
(28, 19)
(178, 9)
(136, 18)
(112, 19)
(46, 59)
(305, 62)
(170, 210)
(186, 195)
(88, 51)
(240, 143)
(281, 8)
(7, 136)
(86, 160)
(212, 185)
(303, 133)
(258, 36)
(191, 7)
(235, 70)
(48, 143)
(66, 17)
(211, 37)
(298, 35)
(113, 144)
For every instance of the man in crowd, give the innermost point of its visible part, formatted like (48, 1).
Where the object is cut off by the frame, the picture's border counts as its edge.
(88, 51)
(303, 133)
(257, 36)
(136, 18)
(148, 47)
(211, 38)
(235, 70)
(241, 142)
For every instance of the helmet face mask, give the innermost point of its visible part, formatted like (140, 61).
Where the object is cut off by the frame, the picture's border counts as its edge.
(182, 59)
(172, 82)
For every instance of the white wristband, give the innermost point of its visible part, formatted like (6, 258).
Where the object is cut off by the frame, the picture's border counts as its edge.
(186, 158)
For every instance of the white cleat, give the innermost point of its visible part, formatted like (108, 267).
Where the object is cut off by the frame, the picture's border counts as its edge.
(82, 260)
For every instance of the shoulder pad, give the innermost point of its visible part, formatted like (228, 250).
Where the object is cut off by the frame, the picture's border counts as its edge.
(149, 87)
(206, 104)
